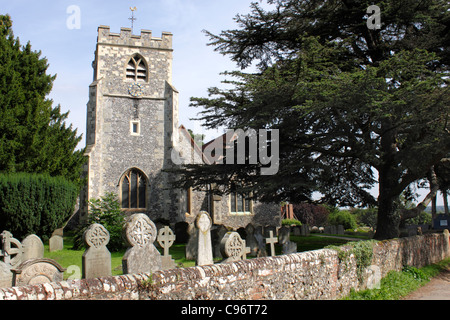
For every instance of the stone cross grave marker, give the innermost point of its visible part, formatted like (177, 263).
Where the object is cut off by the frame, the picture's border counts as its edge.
(11, 250)
(166, 237)
(232, 247)
(96, 260)
(33, 247)
(272, 240)
(247, 250)
(141, 256)
(204, 254)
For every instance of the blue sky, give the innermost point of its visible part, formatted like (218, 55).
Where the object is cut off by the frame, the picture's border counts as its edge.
(70, 52)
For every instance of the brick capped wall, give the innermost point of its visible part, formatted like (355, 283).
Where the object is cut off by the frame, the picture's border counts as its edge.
(318, 274)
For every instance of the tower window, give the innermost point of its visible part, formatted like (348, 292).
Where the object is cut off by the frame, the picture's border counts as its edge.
(133, 190)
(136, 69)
(135, 128)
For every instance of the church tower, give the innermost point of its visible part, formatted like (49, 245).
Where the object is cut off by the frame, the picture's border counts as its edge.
(132, 119)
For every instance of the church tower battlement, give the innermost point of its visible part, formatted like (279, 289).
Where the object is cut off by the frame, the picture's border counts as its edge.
(132, 121)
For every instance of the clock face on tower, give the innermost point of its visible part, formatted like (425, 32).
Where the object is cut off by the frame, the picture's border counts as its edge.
(135, 89)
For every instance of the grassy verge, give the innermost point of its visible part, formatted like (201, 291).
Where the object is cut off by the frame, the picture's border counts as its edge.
(398, 284)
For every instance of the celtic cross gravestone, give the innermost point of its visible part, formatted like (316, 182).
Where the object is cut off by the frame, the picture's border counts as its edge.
(232, 247)
(166, 237)
(96, 260)
(141, 256)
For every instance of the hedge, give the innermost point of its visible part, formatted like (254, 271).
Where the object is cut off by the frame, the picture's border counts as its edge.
(35, 203)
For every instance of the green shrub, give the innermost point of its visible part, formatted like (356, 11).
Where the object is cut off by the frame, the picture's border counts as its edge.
(290, 222)
(106, 211)
(35, 203)
(344, 218)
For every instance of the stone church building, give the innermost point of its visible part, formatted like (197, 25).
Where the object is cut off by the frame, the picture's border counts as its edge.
(132, 130)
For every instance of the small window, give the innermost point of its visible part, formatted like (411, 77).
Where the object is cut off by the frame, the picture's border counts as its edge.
(240, 204)
(136, 69)
(188, 199)
(135, 128)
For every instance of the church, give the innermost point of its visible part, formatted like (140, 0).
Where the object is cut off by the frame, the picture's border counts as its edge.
(132, 129)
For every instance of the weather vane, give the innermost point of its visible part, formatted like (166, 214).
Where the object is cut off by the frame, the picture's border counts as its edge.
(133, 9)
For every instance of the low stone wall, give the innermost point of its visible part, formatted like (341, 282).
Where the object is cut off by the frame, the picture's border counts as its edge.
(319, 274)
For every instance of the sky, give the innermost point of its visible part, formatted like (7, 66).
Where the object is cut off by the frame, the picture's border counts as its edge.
(69, 45)
(50, 26)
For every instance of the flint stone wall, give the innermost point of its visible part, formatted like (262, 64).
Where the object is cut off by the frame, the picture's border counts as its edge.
(315, 274)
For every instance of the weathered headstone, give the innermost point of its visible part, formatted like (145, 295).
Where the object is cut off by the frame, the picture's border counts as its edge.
(6, 275)
(304, 230)
(296, 230)
(55, 243)
(96, 260)
(33, 247)
(232, 247)
(36, 271)
(166, 238)
(284, 235)
(261, 251)
(289, 247)
(204, 254)
(141, 256)
(11, 250)
(272, 240)
(251, 241)
(217, 234)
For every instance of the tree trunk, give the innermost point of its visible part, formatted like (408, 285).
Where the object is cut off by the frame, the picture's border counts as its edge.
(388, 219)
(444, 196)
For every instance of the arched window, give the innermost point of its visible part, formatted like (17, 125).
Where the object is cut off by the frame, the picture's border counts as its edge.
(137, 69)
(133, 189)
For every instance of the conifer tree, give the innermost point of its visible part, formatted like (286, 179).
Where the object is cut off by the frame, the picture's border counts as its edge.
(34, 136)
(355, 106)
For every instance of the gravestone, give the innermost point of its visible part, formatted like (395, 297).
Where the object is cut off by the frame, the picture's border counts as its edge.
(217, 234)
(11, 250)
(296, 230)
(304, 230)
(262, 252)
(232, 247)
(246, 251)
(55, 243)
(272, 240)
(33, 247)
(204, 253)
(166, 238)
(6, 275)
(289, 247)
(192, 244)
(96, 260)
(284, 235)
(36, 271)
(251, 241)
(141, 256)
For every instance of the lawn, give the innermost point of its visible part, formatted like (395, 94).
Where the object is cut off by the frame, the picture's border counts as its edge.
(71, 259)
